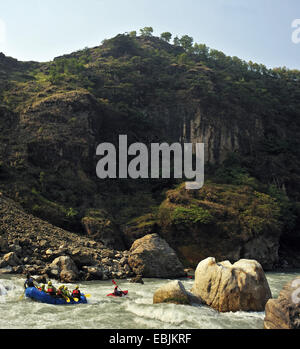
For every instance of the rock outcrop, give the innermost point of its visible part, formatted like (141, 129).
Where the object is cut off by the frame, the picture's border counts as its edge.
(231, 287)
(221, 221)
(172, 292)
(152, 257)
(137, 280)
(284, 312)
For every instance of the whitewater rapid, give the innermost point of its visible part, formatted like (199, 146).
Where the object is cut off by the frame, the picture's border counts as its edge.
(135, 311)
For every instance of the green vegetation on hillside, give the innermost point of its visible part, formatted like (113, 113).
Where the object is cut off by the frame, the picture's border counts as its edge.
(151, 88)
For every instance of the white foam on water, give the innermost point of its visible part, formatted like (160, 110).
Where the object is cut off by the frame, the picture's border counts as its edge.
(3, 290)
(166, 313)
(136, 311)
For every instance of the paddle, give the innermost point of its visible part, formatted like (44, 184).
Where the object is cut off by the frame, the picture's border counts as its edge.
(85, 295)
(117, 286)
(66, 298)
(113, 281)
(22, 296)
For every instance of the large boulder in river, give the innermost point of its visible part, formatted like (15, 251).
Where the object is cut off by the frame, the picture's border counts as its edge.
(151, 256)
(172, 292)
(64, 268)
(284, 312)
(232, 287)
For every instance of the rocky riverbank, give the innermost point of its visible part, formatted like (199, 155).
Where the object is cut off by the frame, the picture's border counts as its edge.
(29, 244)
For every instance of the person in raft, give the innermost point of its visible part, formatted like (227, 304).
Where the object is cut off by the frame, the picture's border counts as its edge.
(67, 292)
(59, 292)
(76, 292)
(42, 288)
(51, 290)
(29, 282)
(118, 293)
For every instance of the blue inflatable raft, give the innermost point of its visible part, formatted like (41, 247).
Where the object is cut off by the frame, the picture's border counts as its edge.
(40, 296)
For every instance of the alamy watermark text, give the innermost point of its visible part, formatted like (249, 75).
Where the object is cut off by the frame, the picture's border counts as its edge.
(155, 165)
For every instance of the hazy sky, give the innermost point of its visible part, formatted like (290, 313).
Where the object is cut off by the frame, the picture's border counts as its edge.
(257, 30)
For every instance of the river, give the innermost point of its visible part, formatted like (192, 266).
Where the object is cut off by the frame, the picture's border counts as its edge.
(135, 311)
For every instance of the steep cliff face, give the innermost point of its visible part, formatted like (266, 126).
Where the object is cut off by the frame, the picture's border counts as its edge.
(222, 136)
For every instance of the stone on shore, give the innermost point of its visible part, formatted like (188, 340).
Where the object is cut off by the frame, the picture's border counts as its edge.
(6, 270)
(83, 257)
(10, 259)
(92, 273)
(65, 268)
(137, 280)
(3, 245)
(42, 279)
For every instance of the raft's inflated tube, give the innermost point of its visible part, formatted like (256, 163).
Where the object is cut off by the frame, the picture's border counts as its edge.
(40, 296)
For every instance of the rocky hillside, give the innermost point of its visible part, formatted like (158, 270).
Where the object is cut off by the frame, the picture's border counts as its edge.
(54, 114)
(29, 244)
